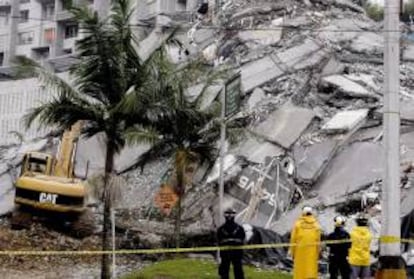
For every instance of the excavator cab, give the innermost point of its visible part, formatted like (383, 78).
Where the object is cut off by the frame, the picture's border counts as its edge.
(34, 162)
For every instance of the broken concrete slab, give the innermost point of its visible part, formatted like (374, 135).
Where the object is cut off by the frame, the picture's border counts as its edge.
(368, 80)
(129, 155)
(263, 37)
(15, 154)
(358, 165)
(229, 162)
(203, 37)
(367, 134)
(210, 52)
(303, 56)
(277, 191)
(346, 86)
(263, 9)
(256, 150)
(332, 67)
(277, 127)
(257, 95)
(341, 30)
(312, 160)
(285, 223)
(90, 156)
(408, 53)
(297, 21)
(192, 93)
(406, 110)
(209, 94)
(151, 43)
(407, 148)
(407, 201)
(258, 72)
(345, 121)
(6, 193)
(368, 42)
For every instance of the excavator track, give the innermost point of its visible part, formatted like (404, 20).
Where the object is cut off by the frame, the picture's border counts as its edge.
(20, 220)
(83, 225)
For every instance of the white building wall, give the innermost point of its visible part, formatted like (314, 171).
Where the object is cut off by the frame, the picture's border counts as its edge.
(17, 97)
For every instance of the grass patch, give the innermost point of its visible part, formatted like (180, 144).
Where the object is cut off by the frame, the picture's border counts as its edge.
(197, 269)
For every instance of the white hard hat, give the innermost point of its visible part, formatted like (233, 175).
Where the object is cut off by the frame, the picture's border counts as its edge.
(307, 210)
(339, 221)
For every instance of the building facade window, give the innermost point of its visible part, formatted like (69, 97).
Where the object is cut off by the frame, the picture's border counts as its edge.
(49, 35)
(71, 31)
(4, 18)
(48, 11)
(25, 38)
(24, 16)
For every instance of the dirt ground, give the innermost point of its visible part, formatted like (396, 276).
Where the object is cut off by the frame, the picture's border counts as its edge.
(41, 238)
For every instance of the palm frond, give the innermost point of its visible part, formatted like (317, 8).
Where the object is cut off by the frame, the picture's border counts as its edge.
(25, 65)
(140, 134)
(63, 112)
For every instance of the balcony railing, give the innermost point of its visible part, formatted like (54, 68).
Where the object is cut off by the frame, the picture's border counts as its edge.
(5, 3)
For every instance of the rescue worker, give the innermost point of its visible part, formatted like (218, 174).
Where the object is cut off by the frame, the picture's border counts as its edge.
(305, 242)
(231, 234)
(203, 8)
(338, 252)
(359, 254)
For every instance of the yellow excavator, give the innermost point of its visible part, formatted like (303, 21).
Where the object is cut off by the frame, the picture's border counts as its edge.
(47, 184)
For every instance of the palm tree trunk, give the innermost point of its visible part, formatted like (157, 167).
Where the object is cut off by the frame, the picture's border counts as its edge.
(177, 229)
(180, 162)
(109, 164)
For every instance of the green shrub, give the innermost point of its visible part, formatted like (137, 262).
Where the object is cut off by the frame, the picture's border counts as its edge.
(374, 11)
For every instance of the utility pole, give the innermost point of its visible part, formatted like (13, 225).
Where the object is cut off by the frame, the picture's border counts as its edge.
(391, 265)
(222, 154)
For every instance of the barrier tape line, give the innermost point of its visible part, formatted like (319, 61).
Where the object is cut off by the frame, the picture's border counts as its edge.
(383, 239)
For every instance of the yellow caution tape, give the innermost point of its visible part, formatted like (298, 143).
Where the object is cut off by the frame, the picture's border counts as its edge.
(382, 239)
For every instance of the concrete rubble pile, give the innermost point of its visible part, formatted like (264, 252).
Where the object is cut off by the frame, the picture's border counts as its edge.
(311, 75)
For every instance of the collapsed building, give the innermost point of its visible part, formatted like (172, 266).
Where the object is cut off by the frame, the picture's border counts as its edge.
(311, 88)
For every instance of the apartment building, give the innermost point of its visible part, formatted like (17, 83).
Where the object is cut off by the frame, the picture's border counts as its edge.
(44, 29)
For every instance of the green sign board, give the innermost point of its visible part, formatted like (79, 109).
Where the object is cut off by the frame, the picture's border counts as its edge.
(232, 95)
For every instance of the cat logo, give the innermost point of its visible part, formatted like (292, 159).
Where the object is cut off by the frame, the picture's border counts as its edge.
(47, 197)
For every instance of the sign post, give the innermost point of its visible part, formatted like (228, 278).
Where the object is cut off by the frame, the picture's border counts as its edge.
(230, 104)
(166, 199)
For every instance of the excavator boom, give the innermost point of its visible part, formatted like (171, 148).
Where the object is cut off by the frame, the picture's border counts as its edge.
(66, 152)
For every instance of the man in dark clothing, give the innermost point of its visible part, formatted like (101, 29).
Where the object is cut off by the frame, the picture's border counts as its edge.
(338, 252)
(231, 234)
(203, 8)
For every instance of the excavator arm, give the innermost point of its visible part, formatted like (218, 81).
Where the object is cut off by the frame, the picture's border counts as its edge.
(65, 156)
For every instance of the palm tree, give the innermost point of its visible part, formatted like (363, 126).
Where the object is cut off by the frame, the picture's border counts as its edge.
(107, 73)
(185, 132)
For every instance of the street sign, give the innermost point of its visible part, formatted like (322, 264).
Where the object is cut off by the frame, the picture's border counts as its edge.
(232, 90)
(166, 199)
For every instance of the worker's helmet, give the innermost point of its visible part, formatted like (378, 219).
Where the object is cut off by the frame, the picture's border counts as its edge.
(339, 221)
(229, 214)
(307, 210)
(362, 219)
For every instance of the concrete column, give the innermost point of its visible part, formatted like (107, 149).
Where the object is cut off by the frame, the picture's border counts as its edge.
(391, 265)
(14, 21)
